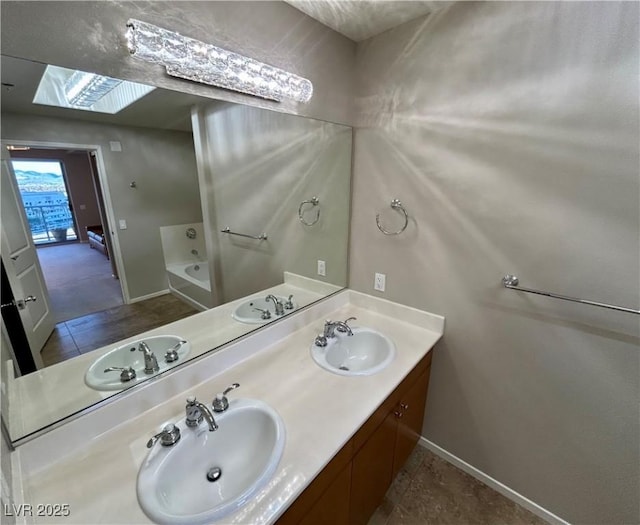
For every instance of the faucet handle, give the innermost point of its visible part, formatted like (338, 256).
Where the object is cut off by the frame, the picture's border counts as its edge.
(172, 354)
(220, 402)
(170, 435)
(329, 329)
(289, 304)
(320, 341)
(126, 374)
(264, 314)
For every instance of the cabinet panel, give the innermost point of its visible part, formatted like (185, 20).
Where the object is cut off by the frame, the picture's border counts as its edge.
(410, 416)
(388, 404)
(371, 473)
(333, 506)
(322, 482)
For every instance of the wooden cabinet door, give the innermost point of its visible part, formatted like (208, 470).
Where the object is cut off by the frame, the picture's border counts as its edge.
(410, 416)
(333, 506)
(371, 473)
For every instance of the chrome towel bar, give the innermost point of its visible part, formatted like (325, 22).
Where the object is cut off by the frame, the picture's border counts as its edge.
(261, 237)
(512, 282)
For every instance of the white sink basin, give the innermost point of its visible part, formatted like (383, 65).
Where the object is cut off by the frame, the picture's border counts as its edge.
(363, 353)
(128, 355)
(172, 482)
(249, 311)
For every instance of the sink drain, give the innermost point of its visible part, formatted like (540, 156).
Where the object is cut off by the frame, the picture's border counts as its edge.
(214, 474)
(345, 368)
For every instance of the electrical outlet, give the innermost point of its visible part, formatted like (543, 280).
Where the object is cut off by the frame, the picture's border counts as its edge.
(380, 282)
(322, 268)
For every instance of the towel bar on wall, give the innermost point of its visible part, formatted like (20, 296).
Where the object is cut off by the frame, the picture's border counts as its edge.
(395, 205)
(314, 201)
(512, 282)
(261, 237)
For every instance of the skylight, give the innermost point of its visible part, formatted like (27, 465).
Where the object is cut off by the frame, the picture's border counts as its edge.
(67, 88)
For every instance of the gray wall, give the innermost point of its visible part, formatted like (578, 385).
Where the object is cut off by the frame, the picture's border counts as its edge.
(273, 32)
(162, 163)
(510, 131)
(258, 166)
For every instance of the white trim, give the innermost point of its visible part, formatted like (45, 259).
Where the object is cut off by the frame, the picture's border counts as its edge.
(149, 296)
(493, 483)
(115, 241)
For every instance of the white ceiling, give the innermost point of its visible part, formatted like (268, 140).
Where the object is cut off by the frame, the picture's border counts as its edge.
(362, 19)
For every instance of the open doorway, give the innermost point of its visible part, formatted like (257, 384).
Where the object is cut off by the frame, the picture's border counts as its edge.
(61, 196)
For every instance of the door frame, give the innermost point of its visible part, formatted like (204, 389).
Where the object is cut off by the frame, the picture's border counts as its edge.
(106, 195)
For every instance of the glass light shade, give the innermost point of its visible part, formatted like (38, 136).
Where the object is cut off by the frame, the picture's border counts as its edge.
(191, 59)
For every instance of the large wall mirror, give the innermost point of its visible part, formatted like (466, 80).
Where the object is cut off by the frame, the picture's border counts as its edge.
(172, 209)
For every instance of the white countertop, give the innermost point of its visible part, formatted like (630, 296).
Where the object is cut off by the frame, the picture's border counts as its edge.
(321, 411)
(58, 391)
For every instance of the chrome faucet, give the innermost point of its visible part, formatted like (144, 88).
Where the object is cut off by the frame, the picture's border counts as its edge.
(277, 303)
(196, 412)
(150, 361)
(330, 328)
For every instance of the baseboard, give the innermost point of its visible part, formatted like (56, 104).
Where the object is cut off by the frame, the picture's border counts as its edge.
(148, 296)
(493, 483)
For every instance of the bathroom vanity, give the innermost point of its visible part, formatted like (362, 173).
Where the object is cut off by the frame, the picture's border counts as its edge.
(346, 436)
(350, 488)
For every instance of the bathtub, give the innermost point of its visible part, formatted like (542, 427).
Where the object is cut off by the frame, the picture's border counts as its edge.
(191, 282)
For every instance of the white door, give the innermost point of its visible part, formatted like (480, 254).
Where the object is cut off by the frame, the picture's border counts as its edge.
(22, 265)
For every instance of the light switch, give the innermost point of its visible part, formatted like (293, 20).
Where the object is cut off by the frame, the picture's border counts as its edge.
(123, 224)
(115, 145)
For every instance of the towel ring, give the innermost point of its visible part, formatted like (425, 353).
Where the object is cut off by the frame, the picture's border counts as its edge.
(314, 201)
(396, 205)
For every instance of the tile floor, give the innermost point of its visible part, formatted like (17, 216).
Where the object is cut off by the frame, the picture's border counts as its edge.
(83, 334)
(431, 491)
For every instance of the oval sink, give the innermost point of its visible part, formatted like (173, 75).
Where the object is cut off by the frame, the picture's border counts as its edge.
(249, 311)
(363, 353)
(128, 355)
(173, 484)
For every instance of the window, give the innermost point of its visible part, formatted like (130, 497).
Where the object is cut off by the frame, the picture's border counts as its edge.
(46, 203)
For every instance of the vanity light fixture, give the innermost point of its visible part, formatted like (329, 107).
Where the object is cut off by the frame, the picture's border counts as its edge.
(187, 58)
(85, 89)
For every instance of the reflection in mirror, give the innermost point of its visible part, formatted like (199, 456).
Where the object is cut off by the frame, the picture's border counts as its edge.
(168, 208)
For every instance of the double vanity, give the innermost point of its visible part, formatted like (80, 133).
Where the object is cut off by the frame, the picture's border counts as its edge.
(304, 421)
